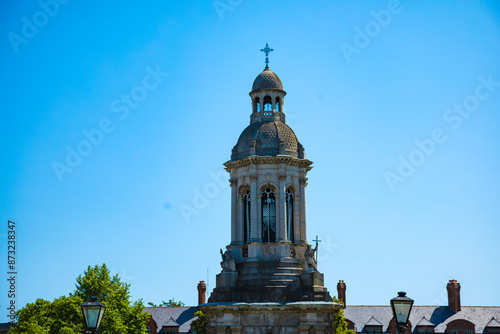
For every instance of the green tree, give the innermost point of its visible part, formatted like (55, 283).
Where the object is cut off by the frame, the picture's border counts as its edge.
(200, 323)
(171, 303)
(339, 323)
(64, 316)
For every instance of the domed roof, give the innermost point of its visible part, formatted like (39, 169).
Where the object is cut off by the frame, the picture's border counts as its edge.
(267, 80)
(267, 139)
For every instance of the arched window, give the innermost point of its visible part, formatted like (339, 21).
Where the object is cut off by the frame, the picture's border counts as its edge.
(289, 215)
(246, 216)
(268, 216)
(278, 104)
(267, 103)
(257, 104)
(148, 330)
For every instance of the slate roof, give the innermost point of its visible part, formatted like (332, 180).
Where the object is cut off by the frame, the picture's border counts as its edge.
(5, 326)
(183, 316)
(493, 323)
(373, 322)
(171, 323)
(269, 137)
(424, 322)
(439, 316)
(267, 80)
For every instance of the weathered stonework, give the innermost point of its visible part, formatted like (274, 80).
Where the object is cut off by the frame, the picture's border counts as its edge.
(270, 282)
(275, 318)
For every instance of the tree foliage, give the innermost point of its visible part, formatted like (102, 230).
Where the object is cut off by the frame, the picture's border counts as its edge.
(200, 323)
(171, 303)
(64, 315)
(339, 323)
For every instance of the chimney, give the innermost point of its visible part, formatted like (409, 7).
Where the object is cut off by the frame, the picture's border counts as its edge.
(202, 290)
(341, 291)
(453, 288)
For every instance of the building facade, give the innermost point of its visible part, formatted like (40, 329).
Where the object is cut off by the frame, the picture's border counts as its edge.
(450, 319)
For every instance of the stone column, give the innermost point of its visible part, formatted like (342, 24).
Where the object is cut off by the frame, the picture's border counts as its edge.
(297, 236)
(254, 221)
(239, 221)
(302, 185)
(234, 210)
(281, 224)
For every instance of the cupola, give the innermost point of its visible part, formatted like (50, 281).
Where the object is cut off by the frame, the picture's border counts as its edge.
(268, 134)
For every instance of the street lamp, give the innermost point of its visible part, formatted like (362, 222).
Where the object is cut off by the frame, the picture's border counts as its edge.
(401, 308)
(93, 311)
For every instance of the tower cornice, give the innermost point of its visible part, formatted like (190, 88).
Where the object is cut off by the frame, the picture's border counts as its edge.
(280, 159)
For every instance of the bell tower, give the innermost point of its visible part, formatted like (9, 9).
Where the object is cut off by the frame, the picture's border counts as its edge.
(268, 261)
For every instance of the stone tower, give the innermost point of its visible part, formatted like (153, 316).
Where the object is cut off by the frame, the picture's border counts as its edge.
(269, 281)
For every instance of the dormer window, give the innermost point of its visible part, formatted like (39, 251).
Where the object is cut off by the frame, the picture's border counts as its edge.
(493, 326)
(171, 327)
(268, 103)
(460, 326)
(424, 326)
(425, 331)
(373, 326)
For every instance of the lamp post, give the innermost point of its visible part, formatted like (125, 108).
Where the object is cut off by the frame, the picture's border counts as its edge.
(93, 311)
(401, 308)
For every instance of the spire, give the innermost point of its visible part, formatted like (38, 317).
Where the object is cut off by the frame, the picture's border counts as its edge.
(267, 50)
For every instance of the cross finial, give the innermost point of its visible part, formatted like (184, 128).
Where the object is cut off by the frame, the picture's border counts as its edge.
(317, 240)
(267, 50)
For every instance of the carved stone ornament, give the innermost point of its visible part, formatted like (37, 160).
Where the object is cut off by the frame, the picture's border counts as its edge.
(258, 160)
(253, 178)
(310, 264)
(282, 177)
(303, 181)
(228, 263)
(233, 182)
(267, 251)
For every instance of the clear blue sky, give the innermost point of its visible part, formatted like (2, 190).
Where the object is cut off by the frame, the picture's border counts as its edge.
(358, 103)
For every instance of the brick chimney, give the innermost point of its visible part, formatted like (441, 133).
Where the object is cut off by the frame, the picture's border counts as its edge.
(202, 290)
(453, 288)
(341, 291)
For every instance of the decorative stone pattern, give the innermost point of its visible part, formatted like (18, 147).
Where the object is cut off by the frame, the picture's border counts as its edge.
(274, 318)
(267, 139)
(267, 80)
